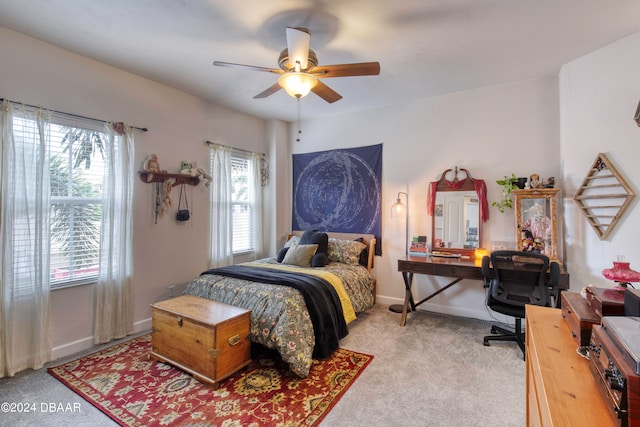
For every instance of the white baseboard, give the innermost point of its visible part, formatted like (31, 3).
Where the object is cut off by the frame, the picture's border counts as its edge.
(142, 325)
(69, 349)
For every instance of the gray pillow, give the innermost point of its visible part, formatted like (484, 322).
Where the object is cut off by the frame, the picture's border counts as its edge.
(300, 255)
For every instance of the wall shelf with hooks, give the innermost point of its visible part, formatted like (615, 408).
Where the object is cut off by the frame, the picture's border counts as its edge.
(148, 177)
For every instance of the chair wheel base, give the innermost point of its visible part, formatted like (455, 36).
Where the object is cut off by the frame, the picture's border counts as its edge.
(501, 334)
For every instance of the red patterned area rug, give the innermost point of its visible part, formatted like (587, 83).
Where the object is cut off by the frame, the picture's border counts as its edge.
(123, 383)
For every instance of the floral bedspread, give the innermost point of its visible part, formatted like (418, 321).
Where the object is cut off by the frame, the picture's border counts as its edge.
(279, 316)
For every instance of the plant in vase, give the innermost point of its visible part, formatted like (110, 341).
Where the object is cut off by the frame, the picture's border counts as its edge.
(508, 184)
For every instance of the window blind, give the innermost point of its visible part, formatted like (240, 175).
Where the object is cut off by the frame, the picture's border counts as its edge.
(76, 171)
(243, 226)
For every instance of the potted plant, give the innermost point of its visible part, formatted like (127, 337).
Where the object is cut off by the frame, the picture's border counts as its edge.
(508, 184)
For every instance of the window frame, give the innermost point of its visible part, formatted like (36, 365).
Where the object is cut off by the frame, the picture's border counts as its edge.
(245, 158)
(91, 125)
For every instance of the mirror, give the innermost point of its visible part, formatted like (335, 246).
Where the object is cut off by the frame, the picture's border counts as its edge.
(456, 220)
(456, 212)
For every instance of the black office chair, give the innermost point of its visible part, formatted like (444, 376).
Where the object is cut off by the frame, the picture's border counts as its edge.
(516, 279)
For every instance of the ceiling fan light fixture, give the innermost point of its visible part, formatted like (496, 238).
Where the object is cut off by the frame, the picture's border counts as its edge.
(297, 84)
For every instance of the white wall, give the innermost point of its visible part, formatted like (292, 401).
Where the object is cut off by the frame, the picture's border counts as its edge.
(167, 253)
(491, 131)
(599, 94)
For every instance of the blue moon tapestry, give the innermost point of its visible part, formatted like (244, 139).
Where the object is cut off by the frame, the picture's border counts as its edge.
(339, 190)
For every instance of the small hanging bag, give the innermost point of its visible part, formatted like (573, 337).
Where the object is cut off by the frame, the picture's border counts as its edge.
(183, 214)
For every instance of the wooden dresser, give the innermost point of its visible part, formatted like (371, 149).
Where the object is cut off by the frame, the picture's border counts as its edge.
(561, 390)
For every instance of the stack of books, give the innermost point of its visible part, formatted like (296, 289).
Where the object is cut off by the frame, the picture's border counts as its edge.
(419, 246)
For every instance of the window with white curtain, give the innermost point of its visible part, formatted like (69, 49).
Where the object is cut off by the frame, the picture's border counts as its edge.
(77, 169)
(242, 206)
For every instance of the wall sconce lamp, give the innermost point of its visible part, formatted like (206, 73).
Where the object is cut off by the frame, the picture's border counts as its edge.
(296, 83)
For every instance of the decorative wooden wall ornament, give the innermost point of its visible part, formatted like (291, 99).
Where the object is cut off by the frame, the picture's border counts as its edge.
(603, 196)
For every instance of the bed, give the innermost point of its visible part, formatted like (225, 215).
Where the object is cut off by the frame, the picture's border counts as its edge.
(301, 312)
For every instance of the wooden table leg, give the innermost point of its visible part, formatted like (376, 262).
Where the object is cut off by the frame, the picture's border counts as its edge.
(408, 297)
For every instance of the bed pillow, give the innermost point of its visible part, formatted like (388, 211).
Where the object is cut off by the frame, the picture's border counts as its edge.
(281, 253)
(345, 251)
(294, 240)
(364, 255)
(320, 260)
(300, 255)
(315, 237)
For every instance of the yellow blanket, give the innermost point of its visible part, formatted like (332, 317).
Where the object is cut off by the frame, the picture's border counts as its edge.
(347, 309)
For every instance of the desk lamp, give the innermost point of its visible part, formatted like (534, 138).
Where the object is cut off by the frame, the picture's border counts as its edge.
(621, 273)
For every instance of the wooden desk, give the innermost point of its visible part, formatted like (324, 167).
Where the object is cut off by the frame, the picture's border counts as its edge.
(457, 268)
(561, 390)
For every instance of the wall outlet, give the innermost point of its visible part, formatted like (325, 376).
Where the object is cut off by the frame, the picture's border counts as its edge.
(172, 290)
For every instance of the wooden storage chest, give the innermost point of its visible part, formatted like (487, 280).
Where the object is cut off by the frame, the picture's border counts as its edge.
(579, 315)
(207, 339)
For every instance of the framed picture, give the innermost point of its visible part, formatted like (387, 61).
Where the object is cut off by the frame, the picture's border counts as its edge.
(537, 221)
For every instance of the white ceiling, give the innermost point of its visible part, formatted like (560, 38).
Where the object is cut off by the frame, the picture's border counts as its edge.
(425, 47)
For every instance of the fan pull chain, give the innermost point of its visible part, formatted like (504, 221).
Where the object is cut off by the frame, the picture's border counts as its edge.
(299, 120)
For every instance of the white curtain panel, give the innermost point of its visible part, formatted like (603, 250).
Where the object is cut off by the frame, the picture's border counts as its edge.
(113, 292)
(255, 195)
(24, 233)
(221, 226)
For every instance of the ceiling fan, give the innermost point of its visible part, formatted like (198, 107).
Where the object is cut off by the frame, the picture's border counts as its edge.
(299, 70)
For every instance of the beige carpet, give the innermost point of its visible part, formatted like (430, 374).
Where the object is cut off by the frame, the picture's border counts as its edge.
(432, 372)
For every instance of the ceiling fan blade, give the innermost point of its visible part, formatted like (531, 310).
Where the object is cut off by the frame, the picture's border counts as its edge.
(326, 93)
(347, 70)
(298, 46)
(268, 92)
(247, 67)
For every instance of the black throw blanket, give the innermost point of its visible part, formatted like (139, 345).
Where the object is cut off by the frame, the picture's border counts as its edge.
(322, 300)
